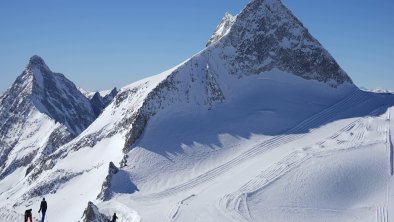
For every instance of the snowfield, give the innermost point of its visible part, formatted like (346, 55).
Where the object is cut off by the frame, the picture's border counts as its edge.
(282, 149)
(339, 170)
(262, 125)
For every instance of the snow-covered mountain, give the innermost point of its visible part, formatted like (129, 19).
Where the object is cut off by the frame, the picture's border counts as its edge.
(217, 138)
(40, 112)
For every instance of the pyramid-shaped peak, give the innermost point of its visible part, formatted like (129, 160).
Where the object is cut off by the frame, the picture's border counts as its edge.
(265, 36)
(50, 93)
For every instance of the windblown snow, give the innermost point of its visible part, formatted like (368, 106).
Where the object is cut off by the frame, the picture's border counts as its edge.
(262, 125)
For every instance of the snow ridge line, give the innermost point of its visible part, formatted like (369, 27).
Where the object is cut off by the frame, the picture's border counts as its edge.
(356, 97)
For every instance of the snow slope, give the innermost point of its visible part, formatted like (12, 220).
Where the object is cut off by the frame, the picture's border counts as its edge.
(262, 125)
(66, 175)
(205, 181)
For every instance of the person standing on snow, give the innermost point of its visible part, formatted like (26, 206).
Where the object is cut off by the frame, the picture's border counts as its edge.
(43, 209)
(114, 217)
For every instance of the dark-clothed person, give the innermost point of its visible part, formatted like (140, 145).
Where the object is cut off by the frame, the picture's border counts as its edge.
(28, 215)
(114, 217)
(43, 209)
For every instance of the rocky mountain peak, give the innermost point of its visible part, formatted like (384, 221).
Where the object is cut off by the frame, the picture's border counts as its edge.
(50, 93)
(266, 36)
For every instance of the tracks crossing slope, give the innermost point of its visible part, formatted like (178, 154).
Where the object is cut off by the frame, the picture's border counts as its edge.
(331, 113)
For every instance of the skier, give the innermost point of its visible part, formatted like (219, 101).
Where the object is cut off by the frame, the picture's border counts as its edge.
(43, 208)
(28, 215)
(114, 217)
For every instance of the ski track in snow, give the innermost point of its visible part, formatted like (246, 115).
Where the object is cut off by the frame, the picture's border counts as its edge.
(382, 214)
(355, 98)
(176, 211)
(230, 203)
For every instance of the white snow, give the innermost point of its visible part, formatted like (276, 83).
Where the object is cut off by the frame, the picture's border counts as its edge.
(338, 172)
(218, 146)
(278, 147)
(223, 28)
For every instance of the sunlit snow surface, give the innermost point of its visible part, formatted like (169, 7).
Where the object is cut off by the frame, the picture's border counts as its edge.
(208, 166)
(280, 149)
(229, 137)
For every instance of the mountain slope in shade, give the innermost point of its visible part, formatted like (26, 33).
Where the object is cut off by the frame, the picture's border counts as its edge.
(195, 142)
(100, 100)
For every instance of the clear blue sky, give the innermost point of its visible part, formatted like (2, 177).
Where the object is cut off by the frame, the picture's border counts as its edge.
(101, 44)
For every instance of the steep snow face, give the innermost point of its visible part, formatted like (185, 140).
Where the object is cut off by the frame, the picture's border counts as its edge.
(222, 29)
(266, 35)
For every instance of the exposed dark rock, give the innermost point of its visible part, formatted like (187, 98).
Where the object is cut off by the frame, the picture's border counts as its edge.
(92, 214)
(107, 99)
(266, 35)
(99, 103)
(106, 193)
